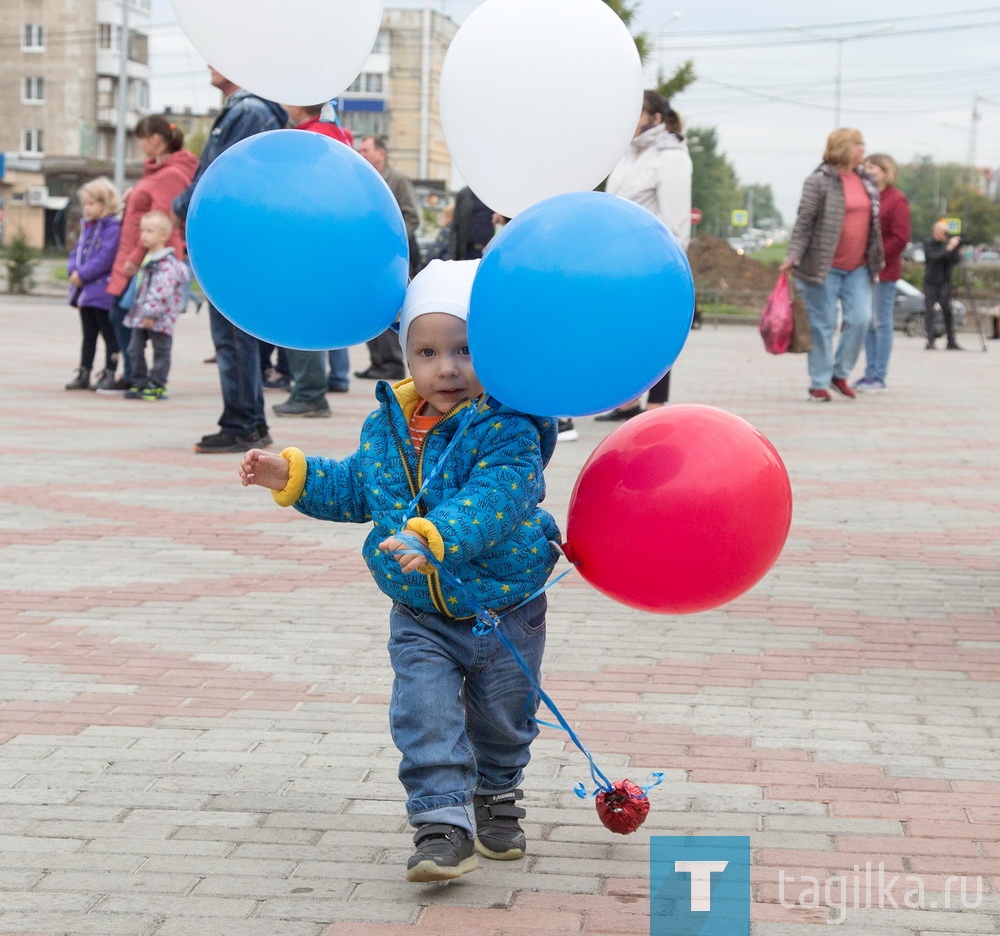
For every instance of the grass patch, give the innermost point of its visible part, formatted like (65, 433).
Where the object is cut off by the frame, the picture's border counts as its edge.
(722, 308)
(774, 254)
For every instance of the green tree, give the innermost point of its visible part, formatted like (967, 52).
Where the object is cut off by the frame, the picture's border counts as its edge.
(21, 259)
(980, 215)
(928, 187)
(684, 74)
(715, 187)
(196, 141)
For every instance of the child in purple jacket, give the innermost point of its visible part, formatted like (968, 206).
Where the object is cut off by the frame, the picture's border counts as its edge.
(89, 267)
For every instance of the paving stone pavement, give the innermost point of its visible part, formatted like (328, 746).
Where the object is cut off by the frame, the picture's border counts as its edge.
(194, 683)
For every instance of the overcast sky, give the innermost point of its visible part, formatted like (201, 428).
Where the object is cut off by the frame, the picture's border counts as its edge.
(910, 70)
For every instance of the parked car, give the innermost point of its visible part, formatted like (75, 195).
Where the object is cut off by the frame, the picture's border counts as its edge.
(988, 256)
(908, 313)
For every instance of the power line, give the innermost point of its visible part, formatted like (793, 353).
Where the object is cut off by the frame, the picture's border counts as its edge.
(812, 40)
(843, 24)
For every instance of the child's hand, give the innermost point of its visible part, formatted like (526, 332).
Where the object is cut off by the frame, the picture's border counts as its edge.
(264, 469)
(408, 562)
(147, 323)
(74, 278)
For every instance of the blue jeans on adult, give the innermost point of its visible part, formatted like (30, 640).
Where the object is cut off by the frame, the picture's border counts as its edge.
(308, 376)
(854, 290)
(116, 315)
(878, 341)
(462, 710)
(238, 357)
(339, 377)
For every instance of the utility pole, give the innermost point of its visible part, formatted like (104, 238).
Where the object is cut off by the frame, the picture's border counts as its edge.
(972, 133)
(425, 91)
(121, 132)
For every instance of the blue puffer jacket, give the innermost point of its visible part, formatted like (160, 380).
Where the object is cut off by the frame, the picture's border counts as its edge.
(479, 515)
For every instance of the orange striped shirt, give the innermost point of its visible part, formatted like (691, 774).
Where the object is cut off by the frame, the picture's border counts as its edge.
(420, 425)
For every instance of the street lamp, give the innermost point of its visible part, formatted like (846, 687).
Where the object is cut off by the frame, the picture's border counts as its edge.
(676, 15)
(840, 40)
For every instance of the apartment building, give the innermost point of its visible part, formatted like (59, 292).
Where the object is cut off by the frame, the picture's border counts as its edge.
(60, 62)
(396, 94)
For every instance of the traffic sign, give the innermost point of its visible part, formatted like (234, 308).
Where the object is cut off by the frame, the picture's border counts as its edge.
(740, 218)
(954, 225)
(696, 216)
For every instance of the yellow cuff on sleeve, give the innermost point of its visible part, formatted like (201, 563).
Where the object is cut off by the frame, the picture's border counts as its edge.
(296, 478)
(429, 532)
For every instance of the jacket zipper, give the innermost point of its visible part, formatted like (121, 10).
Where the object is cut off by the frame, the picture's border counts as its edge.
(433, 579)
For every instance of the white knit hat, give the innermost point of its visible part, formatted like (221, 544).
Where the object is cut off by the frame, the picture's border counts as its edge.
(441, 286)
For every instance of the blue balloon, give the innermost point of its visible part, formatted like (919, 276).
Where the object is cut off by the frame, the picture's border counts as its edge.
(580, 304)
(296, 239)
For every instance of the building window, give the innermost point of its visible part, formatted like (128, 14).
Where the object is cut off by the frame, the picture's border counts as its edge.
(31, 141)
(142, 95)
(105, 93)
(33, 38)
(33, 91)
(138, 48)
(373, 82)
(105, 35)
(381, 41)
(366, 123)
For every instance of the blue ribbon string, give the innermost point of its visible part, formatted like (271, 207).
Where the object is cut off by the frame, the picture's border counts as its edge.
(487, 620)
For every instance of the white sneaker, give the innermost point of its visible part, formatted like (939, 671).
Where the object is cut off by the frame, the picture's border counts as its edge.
(567, 431)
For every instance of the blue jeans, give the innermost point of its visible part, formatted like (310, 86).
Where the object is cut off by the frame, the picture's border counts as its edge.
(239, 373)
(462, 711)
(124, 335)
(878, 341)
(339, 377)
(308, 376)
(854, 290)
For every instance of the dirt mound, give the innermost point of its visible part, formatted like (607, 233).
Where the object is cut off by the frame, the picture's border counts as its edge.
(717, 266)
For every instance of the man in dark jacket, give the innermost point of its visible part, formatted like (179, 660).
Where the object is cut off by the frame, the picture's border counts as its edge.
(242, 423)
(941, 255)
(472, 228)
(386, 355)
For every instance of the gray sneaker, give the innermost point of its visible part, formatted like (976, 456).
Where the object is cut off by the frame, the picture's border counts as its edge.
(444, 852)
(296, 408)
(498, 833)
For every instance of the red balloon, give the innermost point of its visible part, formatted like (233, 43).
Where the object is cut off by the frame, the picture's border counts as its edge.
(679, 510)
(624, 808)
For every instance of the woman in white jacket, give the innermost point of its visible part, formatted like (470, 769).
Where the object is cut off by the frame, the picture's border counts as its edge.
(655, 173)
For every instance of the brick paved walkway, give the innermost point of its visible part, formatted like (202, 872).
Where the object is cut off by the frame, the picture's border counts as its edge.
(193, 683)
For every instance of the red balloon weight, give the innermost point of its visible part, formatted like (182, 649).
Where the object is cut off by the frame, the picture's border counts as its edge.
(679, 510)
(624, 808)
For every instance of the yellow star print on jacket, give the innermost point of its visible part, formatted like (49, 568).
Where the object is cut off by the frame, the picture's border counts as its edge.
(480, 514)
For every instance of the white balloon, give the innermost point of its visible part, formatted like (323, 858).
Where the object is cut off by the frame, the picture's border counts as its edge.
(538, 98)
(293, 52)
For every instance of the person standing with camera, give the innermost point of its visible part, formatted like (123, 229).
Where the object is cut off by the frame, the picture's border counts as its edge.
(941, 256)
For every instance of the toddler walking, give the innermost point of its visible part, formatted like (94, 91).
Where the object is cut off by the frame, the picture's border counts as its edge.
(462, 711)
(159, 300)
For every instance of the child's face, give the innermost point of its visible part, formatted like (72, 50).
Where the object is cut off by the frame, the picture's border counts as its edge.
(152, 235)
(437, 351)
(92, 208)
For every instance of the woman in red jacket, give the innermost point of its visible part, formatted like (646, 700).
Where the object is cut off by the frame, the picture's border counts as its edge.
(167, 171)
(894, 217)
